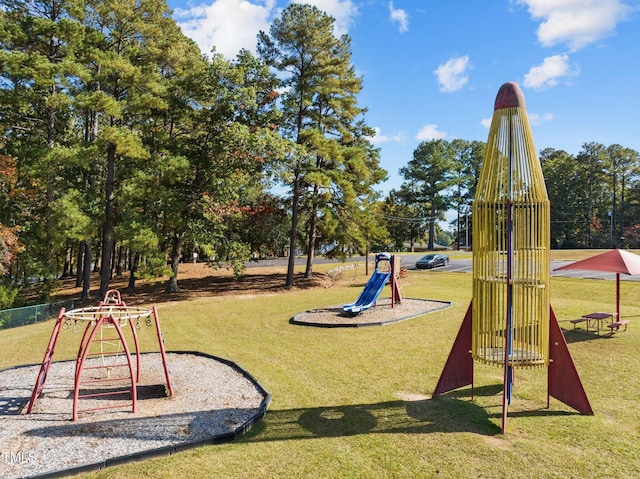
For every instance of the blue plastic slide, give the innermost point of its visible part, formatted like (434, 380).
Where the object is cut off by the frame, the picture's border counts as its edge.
(372, 289)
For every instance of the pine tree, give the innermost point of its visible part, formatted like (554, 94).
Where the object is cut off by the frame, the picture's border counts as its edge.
(37, 42)
(430, 171)
(321, 117)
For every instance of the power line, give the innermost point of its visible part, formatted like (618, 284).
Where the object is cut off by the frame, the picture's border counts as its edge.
(408, 219)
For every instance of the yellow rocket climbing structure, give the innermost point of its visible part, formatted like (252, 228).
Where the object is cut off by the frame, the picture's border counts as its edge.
(511, 245)
(510, 322)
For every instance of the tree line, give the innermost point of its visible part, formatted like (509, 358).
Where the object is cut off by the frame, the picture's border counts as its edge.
(594, 195)
(124, 149)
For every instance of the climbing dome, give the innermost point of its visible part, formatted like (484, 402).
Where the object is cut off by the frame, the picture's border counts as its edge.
(511, 243)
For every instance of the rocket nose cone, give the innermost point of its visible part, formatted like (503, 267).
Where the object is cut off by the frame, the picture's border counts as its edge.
(509, 96)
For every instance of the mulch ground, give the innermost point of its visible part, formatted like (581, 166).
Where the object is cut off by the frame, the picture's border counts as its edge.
(384, 312)
(201, 411)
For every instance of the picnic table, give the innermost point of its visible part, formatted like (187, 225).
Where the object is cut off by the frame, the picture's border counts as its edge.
(596, 320)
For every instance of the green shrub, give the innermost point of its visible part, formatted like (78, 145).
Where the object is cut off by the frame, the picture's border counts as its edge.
(8, 295)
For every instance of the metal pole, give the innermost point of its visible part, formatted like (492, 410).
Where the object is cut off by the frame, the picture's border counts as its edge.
(508, 373)
(466, 228)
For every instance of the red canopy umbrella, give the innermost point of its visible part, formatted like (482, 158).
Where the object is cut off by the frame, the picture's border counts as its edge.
(615, 261)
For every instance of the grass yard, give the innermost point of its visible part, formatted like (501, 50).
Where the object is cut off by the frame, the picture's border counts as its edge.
(355, 402)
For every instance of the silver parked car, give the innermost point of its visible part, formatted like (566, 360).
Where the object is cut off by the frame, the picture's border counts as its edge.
(431, 261)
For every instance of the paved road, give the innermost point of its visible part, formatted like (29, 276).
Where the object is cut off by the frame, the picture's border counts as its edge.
(408, 261)
(464, 266)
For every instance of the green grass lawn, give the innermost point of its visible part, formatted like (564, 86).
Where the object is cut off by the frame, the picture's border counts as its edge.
(355, 402)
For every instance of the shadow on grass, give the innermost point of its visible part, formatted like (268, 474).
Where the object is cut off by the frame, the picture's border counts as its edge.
(580, 335)
(404, 417)
(445, 414)
(213, 284)
(178, 429)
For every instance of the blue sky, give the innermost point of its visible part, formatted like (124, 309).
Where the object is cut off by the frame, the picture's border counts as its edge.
(432, 68)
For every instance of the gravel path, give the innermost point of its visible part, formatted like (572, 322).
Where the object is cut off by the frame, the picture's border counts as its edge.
(214, 400)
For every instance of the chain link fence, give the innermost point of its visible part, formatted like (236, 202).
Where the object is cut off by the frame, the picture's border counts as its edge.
(11, 318)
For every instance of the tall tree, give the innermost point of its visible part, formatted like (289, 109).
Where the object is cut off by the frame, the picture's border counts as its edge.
(406, 219)
(430, 173)
(9, 243)
(593, 164)
(472, 175)
(126, 60)
(37, 42)
(623, 167)
(467, 160)
(567, 194)
(322, 117)
(214, 167)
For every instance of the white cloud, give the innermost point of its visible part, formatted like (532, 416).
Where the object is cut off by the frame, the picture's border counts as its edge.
(548, 74)
(537, 119)
(343, 11)
(379, 138)
(452, 75)
(486, 122)
(400, 16)
(430, 132)
(230, 25)
(576, 23)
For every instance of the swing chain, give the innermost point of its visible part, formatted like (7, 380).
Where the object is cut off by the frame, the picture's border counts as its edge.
(68, 324)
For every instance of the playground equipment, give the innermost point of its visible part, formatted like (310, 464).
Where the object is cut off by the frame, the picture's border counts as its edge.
(510, 322)
(112, 351)
(386, 267)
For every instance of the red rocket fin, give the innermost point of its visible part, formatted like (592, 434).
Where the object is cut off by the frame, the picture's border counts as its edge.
(458, 370)
(563, 381)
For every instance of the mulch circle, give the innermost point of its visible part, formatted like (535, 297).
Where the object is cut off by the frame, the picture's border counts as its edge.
(382, 313)
(215, 401)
